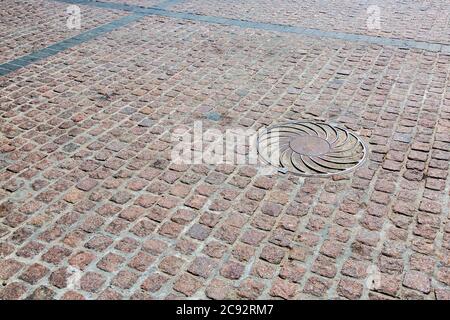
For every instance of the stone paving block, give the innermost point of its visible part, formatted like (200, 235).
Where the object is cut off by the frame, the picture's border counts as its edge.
(42, 23)
(90, 196)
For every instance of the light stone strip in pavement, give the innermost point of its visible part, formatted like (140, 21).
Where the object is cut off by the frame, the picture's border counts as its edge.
(311, 32)
(53, 49)
(167, 4)
(160, 10)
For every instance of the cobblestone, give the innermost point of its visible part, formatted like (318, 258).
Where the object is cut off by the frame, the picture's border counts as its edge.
(88, 190)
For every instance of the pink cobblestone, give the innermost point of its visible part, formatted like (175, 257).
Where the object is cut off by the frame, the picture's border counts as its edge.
(92, 207)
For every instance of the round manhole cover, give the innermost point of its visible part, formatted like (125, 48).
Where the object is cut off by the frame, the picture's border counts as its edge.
(311, 148)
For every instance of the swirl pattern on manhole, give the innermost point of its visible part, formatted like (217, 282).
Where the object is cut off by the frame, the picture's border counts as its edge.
(311, 148)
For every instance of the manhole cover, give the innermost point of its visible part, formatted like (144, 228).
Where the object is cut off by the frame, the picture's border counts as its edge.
(311, 148)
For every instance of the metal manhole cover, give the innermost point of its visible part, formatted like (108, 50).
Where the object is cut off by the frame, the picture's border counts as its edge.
(311, 148)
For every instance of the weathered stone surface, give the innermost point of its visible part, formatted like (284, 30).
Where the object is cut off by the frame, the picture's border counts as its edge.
(92, 205)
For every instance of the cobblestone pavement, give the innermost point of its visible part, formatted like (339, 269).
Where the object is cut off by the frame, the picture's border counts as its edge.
(27, 26)
(420, 20)
(91, 207)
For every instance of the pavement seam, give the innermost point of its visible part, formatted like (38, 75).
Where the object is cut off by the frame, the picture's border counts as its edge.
(162, 10)
(60, 46)
(311, 32)
(16, 64)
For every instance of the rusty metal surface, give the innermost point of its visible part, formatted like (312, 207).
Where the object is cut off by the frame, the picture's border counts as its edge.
(311, 148)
